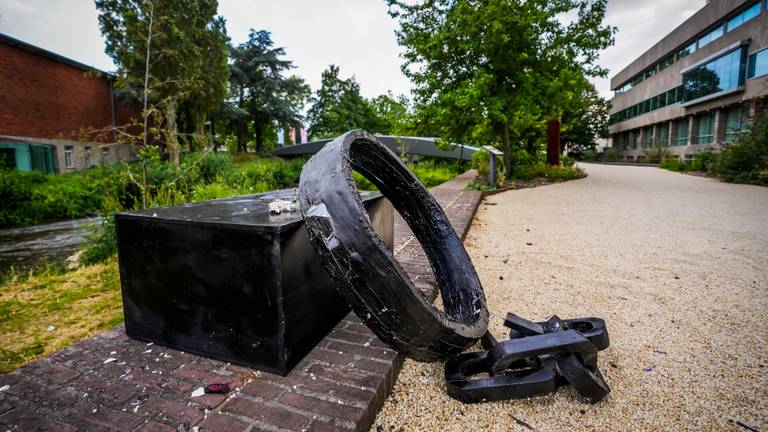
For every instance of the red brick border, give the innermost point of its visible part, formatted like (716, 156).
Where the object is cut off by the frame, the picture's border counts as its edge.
(113, 382)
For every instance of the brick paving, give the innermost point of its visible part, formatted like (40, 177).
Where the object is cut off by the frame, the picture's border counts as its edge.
(111, 382)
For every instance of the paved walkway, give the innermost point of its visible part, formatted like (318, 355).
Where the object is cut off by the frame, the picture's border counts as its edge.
(678, 267)
(111, 382)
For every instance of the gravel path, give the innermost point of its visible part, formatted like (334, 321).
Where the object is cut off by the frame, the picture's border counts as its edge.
(677, 266)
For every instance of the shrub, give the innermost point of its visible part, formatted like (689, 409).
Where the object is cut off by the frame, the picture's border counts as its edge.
(610, 155)
(589, 155)
(540, 169)
(101, 243)
(704, 161)
(746, 160)
(567, 161)
(673, 163)
(656, 154)
(212, 166)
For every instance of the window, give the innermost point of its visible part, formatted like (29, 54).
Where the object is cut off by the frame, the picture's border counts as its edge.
(706, 129)
(650, 72)
(664, 134)
(667, 62)
(709, 37)
(690, 49)
(88, 157)
(681, 127)
(758, 64)
(68, 161)
(636, 139)
(745, 16)
(736, 123)
(723, 73)
(637, 80)
(648, 135)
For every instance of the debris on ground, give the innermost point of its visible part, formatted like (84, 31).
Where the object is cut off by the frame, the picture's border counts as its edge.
(217, 388)
(198, 392)
(282, 206)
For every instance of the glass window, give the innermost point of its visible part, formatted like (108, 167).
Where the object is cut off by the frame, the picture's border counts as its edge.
(650, 72)
(648, 135)
(88, 157)
(745, 16)
(686, 51)
(68, 161)
(637, 80)
(723, 73)
(636, 139)
(682, 132)
(706, 131)
(709, 37)
(758, 64)
(104, 156)
(663, 134)
(666, 63)
(736, 123)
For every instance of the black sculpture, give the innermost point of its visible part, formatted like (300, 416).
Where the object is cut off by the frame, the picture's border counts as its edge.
(367, 274)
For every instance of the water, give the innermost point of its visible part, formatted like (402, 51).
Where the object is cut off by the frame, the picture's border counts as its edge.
(23, 248)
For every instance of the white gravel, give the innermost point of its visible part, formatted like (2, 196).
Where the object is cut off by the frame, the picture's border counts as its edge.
(678, 267)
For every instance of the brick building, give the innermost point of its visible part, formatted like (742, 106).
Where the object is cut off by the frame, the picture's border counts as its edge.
(696, 89)
(56, 114)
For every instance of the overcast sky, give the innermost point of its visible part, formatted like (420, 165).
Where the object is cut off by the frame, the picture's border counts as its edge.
(358, 35)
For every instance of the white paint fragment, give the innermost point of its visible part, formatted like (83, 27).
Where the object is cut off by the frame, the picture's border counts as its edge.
(4, 388)
(281, 206)
(198, 392)
(109, 360)
(51, 328)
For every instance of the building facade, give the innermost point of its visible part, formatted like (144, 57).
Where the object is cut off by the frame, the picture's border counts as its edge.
(698, 88)
(57, 115)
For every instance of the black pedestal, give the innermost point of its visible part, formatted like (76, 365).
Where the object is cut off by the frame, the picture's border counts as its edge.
(226, 279)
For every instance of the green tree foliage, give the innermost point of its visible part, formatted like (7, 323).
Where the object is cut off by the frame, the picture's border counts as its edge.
(260, 87)
(170, 53)
(393, 112)
(337, 106)
(497, 70)
(589, 121)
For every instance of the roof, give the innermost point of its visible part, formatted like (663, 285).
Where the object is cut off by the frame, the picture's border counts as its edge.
(4, 38)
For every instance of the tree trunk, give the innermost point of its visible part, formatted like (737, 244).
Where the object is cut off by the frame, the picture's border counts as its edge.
(257, 127)
(507, 150)
(531, 146)
(200, 139)
(172, 141)
(213, 136)
(240, 138)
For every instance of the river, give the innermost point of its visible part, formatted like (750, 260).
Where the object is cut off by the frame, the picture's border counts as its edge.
(25, 247)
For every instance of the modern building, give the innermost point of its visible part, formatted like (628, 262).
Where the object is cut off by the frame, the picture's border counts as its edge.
(56, 114)
(696, 89)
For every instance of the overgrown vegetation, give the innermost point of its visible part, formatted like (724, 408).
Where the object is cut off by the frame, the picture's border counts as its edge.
(744, 161)
(525, 168)
(53, 309)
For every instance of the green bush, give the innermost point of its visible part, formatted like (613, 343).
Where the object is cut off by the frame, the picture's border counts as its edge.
(589, 155)
(746, 160)
(567, 161)
(656, 154)
(610, 155)
(540, 169)
(101, 242)
(704, 161)
(673, 163)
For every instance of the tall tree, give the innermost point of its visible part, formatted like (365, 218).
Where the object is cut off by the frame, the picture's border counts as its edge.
(337, 106)
(168, 51)
(393, 112)
(257, 77)
(495, 70)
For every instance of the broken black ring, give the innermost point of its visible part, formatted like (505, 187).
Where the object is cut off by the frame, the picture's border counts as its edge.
(366, 272)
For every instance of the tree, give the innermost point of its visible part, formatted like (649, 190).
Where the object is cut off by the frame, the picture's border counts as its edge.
(338, 107)
(260, 87)
(497, 70)
(393, 112)
(582, 126)
(167, 52)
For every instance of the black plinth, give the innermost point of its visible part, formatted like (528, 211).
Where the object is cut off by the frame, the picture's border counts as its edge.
(226, 279)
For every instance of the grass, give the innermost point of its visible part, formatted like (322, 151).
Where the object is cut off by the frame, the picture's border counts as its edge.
(78, 304)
